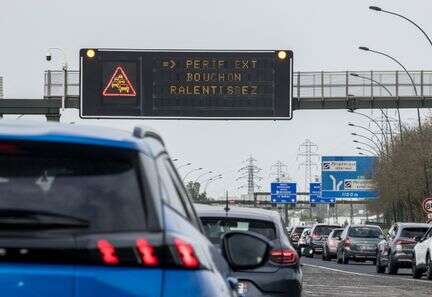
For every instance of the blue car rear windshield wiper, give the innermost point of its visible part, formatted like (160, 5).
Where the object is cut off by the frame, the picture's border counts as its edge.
(38, 219)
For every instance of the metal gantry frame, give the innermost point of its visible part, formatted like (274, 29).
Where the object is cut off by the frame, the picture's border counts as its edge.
(312, 90)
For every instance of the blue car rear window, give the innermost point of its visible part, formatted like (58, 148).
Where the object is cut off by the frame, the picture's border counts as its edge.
(97, 184)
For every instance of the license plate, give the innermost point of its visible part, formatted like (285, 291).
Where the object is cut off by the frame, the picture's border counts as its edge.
(242, 288)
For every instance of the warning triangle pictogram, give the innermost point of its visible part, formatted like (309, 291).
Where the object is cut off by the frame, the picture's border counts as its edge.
(119, 85)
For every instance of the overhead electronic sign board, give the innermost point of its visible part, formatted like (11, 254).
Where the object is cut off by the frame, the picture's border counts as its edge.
(348, 178)
(186, 84)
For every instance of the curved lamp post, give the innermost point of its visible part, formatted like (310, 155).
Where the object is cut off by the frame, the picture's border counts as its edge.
(201, 175)
(383, 113)
(368, 130)
(366, 150)
(368, 145)
(184, 165)
(191, 171)
(379, 9)
(372, 120)
(210, 181)
(364, 48)
(377, 145)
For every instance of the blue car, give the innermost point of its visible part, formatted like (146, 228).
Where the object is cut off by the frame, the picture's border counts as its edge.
(98, 212)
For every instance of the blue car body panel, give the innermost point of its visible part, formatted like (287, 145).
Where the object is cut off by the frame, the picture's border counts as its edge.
(38, 280)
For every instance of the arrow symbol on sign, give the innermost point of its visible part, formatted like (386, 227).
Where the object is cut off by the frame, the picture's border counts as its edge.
(172, 64)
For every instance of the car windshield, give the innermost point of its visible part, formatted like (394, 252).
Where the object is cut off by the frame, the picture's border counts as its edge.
(336, 233)
(93, 184)
(215, 227)
(298, 230)
(413, 232)
(323, 229)
(364, 232)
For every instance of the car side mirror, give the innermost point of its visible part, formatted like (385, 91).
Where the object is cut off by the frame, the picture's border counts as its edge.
(245, 250)
(418, 238)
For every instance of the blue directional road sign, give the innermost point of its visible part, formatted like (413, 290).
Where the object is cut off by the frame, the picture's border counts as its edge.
(315, 196)
(348, 178)
(284, 193)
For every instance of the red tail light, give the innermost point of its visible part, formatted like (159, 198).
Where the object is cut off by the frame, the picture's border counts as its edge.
(187, 255)
(347, 242)
(147, 253)
(108, 252)
(405, 241)
(283, 256)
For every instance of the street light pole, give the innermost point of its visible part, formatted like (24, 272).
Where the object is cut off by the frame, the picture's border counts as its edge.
(378, 146)
(372, 120)
(384, 114)
(184, 165)
(363, 48)
(368, 130)
(366, 150)
(210, 181)
(379, 9)
(191, 171)
(201, 175)
(369, 146)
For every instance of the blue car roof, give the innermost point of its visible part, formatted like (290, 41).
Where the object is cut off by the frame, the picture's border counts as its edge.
(74, 134)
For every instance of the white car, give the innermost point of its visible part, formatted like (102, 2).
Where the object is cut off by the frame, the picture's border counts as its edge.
(422, 258)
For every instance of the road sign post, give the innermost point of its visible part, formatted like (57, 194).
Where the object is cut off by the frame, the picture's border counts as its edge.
(186, 84)
(284, 193)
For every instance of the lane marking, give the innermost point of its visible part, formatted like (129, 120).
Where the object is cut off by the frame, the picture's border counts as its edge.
(369, 275)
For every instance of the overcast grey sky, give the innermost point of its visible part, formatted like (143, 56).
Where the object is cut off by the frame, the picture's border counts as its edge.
(324, 35)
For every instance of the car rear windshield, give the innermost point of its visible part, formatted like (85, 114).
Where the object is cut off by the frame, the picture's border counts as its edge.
(298, 230)
(323, 229)
(364, 232)
(413, 232)
(215, 227)
(96, 184)
(337, 233)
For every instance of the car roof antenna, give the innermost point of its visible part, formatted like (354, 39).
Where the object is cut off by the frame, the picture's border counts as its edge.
(226, 202)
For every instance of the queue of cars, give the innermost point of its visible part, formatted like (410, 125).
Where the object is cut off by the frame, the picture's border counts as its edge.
(405, 245)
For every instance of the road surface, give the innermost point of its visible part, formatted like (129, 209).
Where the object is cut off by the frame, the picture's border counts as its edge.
(329, 279)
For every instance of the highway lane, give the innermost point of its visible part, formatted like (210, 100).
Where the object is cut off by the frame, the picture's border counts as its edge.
(329, 279)
(356, 267)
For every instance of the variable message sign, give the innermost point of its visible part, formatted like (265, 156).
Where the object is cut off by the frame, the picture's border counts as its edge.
(284, 193)
(348, 178)
(186, 84)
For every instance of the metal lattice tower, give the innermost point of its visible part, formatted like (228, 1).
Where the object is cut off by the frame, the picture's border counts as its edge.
(279, 171)
(308, 150)
(250, 173)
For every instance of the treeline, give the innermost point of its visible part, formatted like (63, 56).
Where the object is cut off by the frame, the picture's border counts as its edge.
(403, 175)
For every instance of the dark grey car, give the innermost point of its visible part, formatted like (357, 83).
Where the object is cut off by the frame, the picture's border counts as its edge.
(317, 239)
(282, 275)
(358, 243)
(396, 250)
